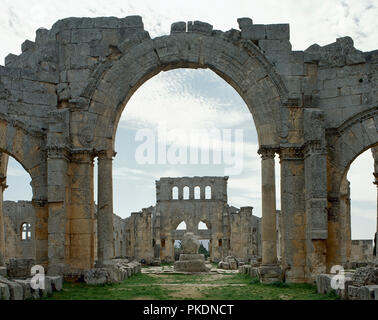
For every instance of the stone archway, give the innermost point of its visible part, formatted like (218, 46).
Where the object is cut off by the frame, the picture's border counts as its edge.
(25, 147)
(352, 138)
(240, 64)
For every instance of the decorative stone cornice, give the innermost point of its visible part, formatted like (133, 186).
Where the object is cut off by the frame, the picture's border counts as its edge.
(82, 155)
(267, 152)
(57, 152)
(105, 154)
(291, 153)
(3, 184)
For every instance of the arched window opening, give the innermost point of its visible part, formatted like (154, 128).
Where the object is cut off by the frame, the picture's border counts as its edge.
(181, 226)
(26, 232)
(208, 192)
(175, 193)
(202, 226)
(186, 193)
(197, 192)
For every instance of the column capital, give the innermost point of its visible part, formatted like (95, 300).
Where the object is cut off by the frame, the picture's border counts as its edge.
(106, 154)
(291, 153)
(267, 152)
(375, 174)
(54, 152)
(82, 155)
(3, 182)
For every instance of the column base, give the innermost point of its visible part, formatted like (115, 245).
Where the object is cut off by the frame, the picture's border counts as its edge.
(270, 273)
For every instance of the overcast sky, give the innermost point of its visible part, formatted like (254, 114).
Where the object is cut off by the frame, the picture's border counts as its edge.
(198, 98)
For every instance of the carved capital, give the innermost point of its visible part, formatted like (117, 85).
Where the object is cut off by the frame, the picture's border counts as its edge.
(105, 154)
(82, 156)
(291, 153)
(54, 152)
(3, 182)
(375, 174)
(267, 152)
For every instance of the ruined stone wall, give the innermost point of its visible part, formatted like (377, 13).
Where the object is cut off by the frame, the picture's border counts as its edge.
(245, 234)
(15, 214)
(361, 251)
(138, 235)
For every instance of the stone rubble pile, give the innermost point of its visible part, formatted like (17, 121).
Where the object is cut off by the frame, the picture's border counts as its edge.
(230, 263)
(361, 284)
(21, 289)
(113, 271)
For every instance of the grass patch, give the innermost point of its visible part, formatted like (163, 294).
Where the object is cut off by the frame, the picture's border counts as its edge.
(181, 286)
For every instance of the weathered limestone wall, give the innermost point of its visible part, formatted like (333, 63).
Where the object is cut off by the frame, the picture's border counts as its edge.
(15, 214)
(245, 234)
(138, 235)
(361, 251)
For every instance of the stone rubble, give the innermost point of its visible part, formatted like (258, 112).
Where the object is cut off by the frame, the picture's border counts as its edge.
(113, 271)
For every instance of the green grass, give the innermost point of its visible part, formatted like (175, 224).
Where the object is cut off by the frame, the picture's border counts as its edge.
(172, 286)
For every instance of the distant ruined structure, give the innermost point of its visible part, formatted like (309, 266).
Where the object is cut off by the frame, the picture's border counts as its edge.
(151, 233)
(61, 100)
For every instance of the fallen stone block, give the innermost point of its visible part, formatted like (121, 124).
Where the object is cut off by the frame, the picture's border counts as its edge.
(4, 291)
(56, 282)
(368, 292)
(20, 268)
(47, 290)
(25, 288)
(15, 289)
(254, 272)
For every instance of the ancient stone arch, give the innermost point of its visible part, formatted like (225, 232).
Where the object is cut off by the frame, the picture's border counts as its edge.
(353, 137)
(68, 88)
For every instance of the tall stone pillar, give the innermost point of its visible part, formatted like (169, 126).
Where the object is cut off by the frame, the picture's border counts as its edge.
(315, 192)
(375, 156)
(269, 271)
(81, 215)
(293, 219)
(105, 207)
(58, 207)
(2, 235)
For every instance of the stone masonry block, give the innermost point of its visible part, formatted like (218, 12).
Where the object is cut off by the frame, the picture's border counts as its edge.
(27, 45)
(278, 31)
(178, 27)
(254, 32)
(244, 22)
(199, 26)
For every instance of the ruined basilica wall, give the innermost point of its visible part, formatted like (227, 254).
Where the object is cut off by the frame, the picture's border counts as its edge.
(15, 214)
(245, 234)
(139, 235)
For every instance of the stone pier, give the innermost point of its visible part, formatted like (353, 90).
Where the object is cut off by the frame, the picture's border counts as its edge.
(269, 270)
(105, 208)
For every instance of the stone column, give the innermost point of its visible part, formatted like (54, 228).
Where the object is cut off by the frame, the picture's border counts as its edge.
(293, 228)
(58, 207)
(81, 216)
(105, 207)
(269, 271)
(375, 156)
(375, 251)
(2, 235)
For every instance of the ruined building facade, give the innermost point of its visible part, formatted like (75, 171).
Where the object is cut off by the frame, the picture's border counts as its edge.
(61, 100)
(151, 233)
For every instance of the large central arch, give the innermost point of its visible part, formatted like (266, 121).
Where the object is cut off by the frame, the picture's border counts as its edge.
(241, 64)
